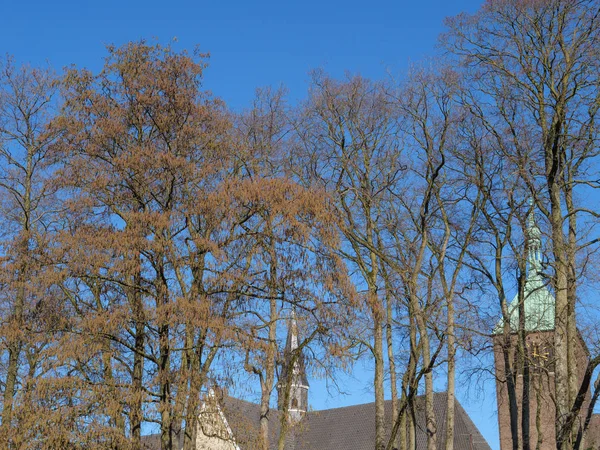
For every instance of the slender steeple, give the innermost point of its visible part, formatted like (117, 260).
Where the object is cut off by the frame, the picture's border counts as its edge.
(537, 304)
(538, 301)
(293, 373)
(534, 245)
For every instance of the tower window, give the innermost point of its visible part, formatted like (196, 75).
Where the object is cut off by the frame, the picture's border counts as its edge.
(294, 403)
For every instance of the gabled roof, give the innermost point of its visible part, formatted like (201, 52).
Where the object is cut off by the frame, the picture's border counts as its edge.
(348, 428)
(244, 419)
(353, 427)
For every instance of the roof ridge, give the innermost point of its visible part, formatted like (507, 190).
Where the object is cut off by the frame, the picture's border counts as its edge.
(469, 424)
(358, 405)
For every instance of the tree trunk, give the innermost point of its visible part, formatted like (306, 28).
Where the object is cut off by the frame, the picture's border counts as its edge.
(16, 324)
(14, 351)
(573, 335)
(523, 361)
(561, 333)
(166, 430)
(451, 343)
(377, 314)
(137, 383)
(406, 438)
(379, 386)
(164, 359)
(269, 377)
(430, 422)
(392, 363)
(412, 428)
(525, 407)
(431, 425)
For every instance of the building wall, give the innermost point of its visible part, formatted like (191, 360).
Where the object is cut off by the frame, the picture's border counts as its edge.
(542, 406)
(542, 410)
(213, 432)
(593, 434)
(213, 443)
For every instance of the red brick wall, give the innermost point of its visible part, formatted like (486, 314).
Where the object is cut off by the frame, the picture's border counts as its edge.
(542, 410)
(593, 434)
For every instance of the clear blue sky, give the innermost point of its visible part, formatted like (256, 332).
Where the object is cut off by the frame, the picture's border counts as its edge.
(252, 44)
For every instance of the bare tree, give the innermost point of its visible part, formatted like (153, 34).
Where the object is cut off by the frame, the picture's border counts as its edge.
(347, 146)
(536, 73)
(419, 227)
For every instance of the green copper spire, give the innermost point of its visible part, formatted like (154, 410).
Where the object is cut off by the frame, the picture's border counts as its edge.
(534, 244)
(538, 301)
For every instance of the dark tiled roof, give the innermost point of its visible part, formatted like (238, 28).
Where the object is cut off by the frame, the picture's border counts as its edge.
(244, 419)
(152, 442)
(353, 427)
(466, 434)
(349, 428)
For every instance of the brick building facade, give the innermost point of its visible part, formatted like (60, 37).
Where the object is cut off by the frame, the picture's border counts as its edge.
(538, 305)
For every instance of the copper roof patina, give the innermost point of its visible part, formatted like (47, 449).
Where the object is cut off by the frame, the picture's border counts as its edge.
(538, 301)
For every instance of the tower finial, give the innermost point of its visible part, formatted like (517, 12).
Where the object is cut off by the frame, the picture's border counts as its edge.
(534, 242)
(292, 332)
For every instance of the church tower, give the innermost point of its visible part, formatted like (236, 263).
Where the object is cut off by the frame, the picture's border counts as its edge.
(539, 309)
(293, 383)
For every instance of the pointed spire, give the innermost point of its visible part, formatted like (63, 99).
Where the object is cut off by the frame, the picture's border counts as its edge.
(534, 243)
(298, 371)
(292, 337)
(293, 375)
